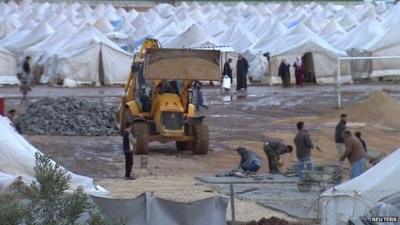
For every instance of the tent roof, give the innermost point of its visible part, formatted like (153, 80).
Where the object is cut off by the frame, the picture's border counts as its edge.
(193, 36)
(84, 39)
(386, 39)
(370, 30)
(104, 25)
(300, 44)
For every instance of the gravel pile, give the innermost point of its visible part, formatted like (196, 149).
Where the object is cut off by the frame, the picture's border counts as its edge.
(69, 116)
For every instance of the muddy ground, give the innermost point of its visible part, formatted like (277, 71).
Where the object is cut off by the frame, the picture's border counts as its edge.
(266, 112)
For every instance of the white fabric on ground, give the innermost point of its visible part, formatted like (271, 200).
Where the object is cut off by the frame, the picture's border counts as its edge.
(17, 157)
(356, 197)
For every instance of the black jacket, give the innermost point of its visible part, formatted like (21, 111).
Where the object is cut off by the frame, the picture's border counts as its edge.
(227, 70)
(283, 70)
(339, 132)
(303, 144)
(27, 67)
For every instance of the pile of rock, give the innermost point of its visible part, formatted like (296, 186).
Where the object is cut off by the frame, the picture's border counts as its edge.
(69, 116)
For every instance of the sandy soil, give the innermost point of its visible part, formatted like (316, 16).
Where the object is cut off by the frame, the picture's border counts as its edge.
(265, 113)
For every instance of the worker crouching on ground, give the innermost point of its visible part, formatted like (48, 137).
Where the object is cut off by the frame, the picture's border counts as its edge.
(249, 160)
(128, 151)
(273, 150)
(303, 150)
(354, 153)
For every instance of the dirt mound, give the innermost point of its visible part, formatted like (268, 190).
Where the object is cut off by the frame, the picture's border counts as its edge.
(378, 108)
(69, 116)
(273, 221)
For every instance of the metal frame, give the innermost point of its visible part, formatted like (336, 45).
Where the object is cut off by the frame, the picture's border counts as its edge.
(337, 77)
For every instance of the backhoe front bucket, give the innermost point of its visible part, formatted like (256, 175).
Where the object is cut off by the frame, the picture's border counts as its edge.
(182, 64)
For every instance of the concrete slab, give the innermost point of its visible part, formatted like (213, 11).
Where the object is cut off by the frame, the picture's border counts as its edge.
(272, 191)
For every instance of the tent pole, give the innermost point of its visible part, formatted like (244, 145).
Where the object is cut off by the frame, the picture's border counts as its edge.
(337, 86)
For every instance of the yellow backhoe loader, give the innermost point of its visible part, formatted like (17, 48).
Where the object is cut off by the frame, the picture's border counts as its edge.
(158, 98)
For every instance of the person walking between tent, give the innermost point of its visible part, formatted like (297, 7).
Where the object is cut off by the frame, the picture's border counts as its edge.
(128, 151)
(25, 88)
(354, 153)
(242, 68)
(198, 94)
(299, 71)
(249, 160)
(273, 150)
(284, 73)
(227, 69)
(304, 145)
(339, 135)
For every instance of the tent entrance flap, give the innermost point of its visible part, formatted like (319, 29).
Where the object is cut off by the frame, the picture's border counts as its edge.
(309, 71)
(101, 69)
(182, 64)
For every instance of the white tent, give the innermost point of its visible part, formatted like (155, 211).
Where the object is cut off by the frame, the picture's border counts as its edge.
(6, 28)
(194, 36)
(387, 43)
(104, 25)
(319, 57)
(370, 30)
(170, 31)
(356, 197)
(17, 158)
(36, 35)
(8, 67)
(90, 57)
(39, 50)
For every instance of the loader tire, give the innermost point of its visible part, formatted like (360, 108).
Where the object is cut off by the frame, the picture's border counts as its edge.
(201, 142)
(141, 133)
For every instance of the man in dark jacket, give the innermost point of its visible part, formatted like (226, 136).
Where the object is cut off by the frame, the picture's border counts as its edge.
(355, 154)
(273, 150)
(128, 151)
(303, 150)
(249, 160)
(242, 68)
(284, 73)
(339, 135)
(228, 69)
(358, 135)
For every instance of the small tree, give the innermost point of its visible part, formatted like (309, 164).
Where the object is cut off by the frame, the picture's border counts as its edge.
(47, 203)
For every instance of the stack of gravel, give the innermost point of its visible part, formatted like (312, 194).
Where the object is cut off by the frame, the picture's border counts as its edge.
(69, 116)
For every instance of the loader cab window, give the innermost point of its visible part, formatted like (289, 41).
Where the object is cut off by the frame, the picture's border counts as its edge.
(169, 86)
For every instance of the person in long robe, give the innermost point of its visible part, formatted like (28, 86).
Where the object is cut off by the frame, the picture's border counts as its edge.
(284, 73)
(242, 68)
(299, 71)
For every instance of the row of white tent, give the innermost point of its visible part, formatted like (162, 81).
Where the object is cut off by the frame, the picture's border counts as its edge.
(80, 43)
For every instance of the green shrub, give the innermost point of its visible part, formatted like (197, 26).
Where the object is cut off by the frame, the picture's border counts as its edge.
(47, 203)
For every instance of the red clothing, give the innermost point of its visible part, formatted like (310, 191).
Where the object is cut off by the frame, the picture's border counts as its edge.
(299, 73)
